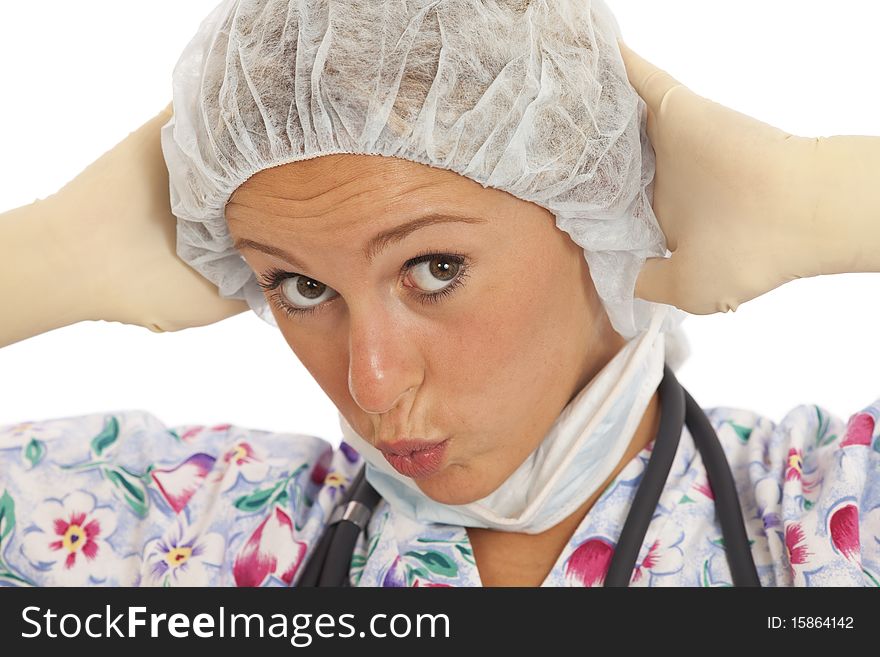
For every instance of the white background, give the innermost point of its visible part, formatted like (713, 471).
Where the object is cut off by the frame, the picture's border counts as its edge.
(79, 76)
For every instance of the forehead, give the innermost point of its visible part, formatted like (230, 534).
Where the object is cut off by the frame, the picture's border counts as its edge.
(322, 182)
(350, 193)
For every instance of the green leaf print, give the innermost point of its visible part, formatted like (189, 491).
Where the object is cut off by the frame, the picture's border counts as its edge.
(412, 573)
(743, 433)
(436, 562)
(463, 546)
(258, 499)
(107, 437)
(824, 422)
(707, 580)
(7, 515)
(16, 580)
(7, 524)
(283, 498)
(33, 452)
(466, 553)
(130, 488)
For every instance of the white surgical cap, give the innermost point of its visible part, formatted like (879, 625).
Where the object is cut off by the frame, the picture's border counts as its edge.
(527, 96)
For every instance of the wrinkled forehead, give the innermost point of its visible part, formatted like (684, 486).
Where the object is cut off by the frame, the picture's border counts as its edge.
(339, 195)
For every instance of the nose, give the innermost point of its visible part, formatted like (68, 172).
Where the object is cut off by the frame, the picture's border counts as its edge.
(384, 363)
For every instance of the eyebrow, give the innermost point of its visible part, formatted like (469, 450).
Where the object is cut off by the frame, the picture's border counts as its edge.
(377, 243)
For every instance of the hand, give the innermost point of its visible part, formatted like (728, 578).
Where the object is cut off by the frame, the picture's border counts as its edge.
(115, 220)
(734, 197)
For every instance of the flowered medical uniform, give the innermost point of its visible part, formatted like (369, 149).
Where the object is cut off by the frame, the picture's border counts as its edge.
(119, 499)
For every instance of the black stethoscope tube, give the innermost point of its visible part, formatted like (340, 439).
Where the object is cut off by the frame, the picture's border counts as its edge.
(331, 559)
(644, 504)
(677, 407)
(736, 541)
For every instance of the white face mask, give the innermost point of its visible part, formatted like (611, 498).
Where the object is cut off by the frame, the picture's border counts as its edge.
(578, 454)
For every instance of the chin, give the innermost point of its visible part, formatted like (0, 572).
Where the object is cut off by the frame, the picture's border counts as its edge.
(446, 490)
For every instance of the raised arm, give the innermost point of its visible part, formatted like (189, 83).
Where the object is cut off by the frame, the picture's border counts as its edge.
(104, 247)
(746, 207)
(40, 286)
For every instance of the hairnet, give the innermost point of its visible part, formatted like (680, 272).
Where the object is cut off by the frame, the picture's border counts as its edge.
(529, 97)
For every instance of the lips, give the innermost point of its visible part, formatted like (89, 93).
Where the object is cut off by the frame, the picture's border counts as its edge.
(405, 447)
(415, 458)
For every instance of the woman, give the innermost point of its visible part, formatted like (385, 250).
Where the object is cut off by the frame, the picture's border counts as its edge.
(530, 487)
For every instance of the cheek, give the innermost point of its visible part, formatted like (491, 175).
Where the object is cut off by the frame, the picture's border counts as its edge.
(520, 350)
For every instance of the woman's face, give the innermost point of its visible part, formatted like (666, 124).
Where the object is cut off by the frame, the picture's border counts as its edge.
(483, 340)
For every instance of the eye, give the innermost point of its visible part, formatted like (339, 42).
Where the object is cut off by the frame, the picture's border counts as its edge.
(435, 273)
(306, 293)
(294, 294)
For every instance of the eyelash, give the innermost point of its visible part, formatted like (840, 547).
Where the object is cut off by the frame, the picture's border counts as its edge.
(272, 278)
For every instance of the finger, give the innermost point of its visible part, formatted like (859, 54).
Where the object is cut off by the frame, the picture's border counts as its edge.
(650, 82)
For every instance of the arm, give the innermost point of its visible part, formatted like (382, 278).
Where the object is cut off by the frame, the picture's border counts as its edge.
(746, 207)
(40, 288)
(104, 247)
(846, 180)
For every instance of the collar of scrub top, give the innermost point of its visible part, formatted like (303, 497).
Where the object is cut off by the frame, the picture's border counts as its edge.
(331, 559)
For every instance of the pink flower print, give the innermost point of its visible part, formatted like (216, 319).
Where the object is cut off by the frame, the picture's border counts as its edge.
(71, 539)
(194, 432)
(794, 470)
(244, 461)
(333, 481)
(648, 562)
(321, 467)
(844, 529)
(270, 550)
(795, 464)
(419, 582)
(180, 483)
(588, 564)
(179, 557)
(797, 553)
(77, 536)
(703, 486)
(859, 430)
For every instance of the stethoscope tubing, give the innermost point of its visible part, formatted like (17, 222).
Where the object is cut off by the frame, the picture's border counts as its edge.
(644, 504)
(678, 407)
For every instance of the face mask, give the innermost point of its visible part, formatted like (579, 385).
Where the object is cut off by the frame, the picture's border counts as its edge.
(578, 454)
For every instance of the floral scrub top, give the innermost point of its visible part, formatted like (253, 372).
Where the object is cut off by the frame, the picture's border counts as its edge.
(119, 499)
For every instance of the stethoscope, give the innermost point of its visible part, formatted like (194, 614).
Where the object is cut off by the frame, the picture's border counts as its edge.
(331, 558)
